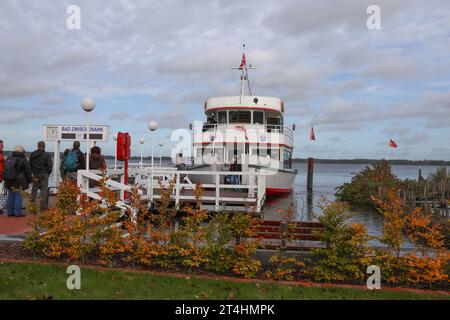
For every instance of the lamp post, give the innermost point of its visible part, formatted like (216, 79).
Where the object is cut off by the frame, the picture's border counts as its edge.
(152, 126)
(88, 104)
(115, 151)
(141, 141)
(160, 148)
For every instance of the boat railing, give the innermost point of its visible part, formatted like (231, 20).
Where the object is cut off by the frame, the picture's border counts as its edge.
(271, 128)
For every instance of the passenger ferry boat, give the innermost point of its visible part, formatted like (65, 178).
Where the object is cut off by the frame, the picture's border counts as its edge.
(244, 132)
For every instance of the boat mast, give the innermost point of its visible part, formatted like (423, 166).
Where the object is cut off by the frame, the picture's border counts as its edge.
(244, 75)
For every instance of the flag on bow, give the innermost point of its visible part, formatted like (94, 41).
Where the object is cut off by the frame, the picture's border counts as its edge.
(392, 144)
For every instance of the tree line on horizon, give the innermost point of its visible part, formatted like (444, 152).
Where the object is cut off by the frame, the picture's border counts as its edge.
(424, 162)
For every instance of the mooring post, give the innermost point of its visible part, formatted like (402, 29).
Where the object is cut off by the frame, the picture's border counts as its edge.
(309, 184)
(420, 174)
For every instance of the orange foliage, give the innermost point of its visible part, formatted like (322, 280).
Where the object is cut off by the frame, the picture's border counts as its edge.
(428, 264)
(393, 211)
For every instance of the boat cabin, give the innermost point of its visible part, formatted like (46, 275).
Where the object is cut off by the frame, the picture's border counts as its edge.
(249, 128)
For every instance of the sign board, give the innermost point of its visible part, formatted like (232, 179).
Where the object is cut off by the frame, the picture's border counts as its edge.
(76, 132)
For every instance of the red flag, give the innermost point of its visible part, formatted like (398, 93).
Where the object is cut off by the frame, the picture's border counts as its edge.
(243, 62)
(392, 144)
(312, 136)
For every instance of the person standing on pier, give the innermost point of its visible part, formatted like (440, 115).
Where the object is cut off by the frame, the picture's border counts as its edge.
(41, 167)
(17, 176)
(74, 161)
(62, 170)
(96, 162)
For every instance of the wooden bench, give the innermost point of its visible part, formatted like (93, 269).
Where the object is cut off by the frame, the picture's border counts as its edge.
(292, 236)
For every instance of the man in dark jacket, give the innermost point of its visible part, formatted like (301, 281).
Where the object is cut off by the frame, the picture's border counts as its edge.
(17, 166)
(41, 167)
(81, 164)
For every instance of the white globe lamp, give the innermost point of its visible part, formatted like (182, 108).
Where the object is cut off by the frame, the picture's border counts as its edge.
(88, 105)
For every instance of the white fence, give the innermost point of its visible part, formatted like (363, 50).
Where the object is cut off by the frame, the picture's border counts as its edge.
(248, 195)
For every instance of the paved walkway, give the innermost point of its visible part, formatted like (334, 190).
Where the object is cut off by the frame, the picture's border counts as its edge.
(13, 228)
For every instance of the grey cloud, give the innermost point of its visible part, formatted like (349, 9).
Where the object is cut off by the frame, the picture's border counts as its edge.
(12, 115)
(178, 53)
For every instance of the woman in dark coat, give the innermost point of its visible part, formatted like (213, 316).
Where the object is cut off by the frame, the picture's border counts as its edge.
(20, 182)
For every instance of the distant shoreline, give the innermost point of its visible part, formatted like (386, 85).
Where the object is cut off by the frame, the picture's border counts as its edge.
(374, 161)
(304, 160)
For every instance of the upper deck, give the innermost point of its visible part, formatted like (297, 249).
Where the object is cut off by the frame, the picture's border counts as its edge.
(260, 118)
(244, 102)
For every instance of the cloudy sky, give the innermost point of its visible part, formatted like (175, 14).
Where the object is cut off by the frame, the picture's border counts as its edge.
(160, 60)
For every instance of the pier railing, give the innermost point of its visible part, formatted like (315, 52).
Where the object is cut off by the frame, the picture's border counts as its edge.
(248, 193)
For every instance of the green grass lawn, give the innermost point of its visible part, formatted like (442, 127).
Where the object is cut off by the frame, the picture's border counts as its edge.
(34, 281)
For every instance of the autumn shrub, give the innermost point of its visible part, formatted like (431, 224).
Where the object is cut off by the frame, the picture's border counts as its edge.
(57, 233)
(281, 265)
(244, 228)
(32, 242)
(366, 184)
(67, 197)
(227, 243)
(191, 234)
(394, 220)
(149, 233)
(344, 256)
(441, 174)
(218, 238)
(427, 263)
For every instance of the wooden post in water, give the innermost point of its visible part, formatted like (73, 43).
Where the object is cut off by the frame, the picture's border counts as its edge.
(309, 183)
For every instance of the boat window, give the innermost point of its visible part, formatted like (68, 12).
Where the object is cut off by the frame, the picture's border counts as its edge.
(258, 117)
(263, 152)
(274, 121)
(287, 159)
(222, 117)
(240, 116)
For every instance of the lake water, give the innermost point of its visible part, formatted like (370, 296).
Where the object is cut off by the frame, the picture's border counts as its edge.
(326, 178)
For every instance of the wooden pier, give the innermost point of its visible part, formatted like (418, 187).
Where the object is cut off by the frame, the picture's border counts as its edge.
(433, 197)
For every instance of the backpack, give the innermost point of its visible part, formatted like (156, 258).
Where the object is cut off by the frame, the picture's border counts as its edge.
(71, 161)
(10, 169)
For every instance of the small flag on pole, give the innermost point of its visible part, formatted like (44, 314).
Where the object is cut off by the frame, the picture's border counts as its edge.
(312, 136)
(243, 62)
(392, 144)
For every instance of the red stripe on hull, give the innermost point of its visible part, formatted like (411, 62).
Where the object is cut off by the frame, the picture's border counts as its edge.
(274, 191)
